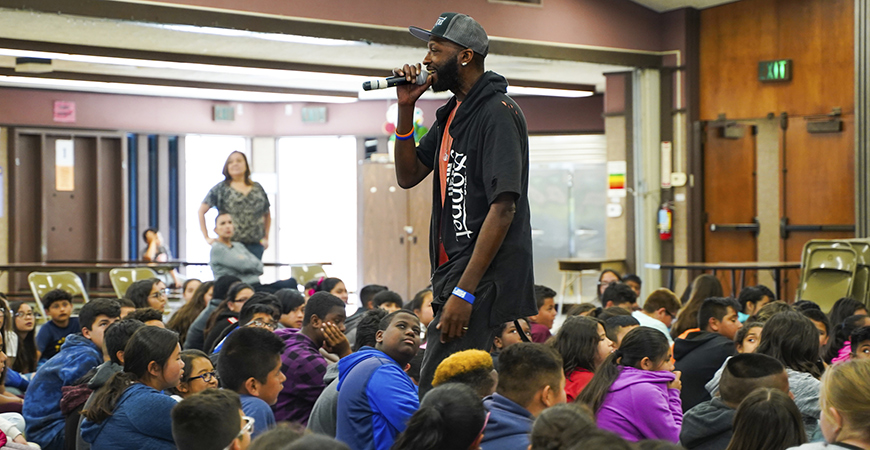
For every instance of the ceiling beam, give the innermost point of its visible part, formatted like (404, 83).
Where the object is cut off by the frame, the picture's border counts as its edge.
(183, 15)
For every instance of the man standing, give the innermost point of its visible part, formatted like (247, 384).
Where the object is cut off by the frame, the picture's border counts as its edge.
(480, 245)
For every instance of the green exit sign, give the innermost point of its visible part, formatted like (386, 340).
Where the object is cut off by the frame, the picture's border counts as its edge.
(777, 70)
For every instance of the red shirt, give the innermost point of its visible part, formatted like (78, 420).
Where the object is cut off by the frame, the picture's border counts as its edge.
(576, 381)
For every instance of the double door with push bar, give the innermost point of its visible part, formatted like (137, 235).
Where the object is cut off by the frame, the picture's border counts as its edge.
(770, 185)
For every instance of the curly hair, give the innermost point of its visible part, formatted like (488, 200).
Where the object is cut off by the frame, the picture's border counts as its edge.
(469, 367)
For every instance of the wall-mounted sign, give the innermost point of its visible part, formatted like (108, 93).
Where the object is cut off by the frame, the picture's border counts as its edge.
(314, 114)
(616, 171)
(224, 113)
(776, 70)
(64, 165)
(64, 112)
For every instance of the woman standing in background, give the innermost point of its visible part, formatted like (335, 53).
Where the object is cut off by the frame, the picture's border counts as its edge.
(245, 200)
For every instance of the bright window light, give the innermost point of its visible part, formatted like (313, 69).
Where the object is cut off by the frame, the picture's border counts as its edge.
(169, 91)
(295, 39)
(204, 157)
(546, 92)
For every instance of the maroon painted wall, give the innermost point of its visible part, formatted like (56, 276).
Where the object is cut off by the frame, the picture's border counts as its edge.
(606, 23)
(23, 107)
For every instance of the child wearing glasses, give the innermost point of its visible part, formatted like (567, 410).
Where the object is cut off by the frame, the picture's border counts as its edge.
(198, 375)
(148, 293)
(130, 411)
(23, 343)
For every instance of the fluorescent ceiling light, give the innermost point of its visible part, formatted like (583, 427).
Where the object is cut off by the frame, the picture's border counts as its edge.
(168, 91)
(547, 92)
(291, 38)
(339, 81)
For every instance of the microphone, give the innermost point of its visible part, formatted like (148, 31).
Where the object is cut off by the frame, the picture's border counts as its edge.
(384, 83)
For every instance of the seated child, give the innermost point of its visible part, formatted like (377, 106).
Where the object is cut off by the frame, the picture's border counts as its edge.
(751, 300)
(421, 305)
(708, 425)
(279, 437)
(389, 301)
(472, 368)
(259, 311)
(76, 397)
(148, 316)
(130, 411)
(748, 336)
(543, 320)
(616, 327)
(619, 294)
(838, 349)
(209, 420)
(58, 306)
(250, 364)
(635, 392)
(301, 361)
(198, 375)
(22, 340)
(79, 354)
(148, 293)
(561, 426)
(324, 414)
(633, 281)
(700, 354)
(659, 311)
(292, 308)
(375, 396)
(127, 306)
(451, 416)
(860, 343)
(531, 380)
(820, 320)
(507, 335)
(767, 419)
(583, 345)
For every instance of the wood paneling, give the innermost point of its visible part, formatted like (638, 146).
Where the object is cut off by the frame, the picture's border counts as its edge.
(86, 223)
(819, 187)
(816, 34)
(729, 198)
(419, 211)
(393, 256)
(385, 207)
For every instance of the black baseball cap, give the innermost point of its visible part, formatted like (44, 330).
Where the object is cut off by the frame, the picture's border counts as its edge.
(459, 29)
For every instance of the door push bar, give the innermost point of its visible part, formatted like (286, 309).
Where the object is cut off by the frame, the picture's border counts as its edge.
(785, 228)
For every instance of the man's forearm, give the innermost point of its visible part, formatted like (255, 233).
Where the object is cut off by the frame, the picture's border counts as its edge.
(492, 233)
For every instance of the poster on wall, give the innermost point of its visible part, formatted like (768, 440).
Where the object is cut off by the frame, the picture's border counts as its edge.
(64, 163)
(616, 171)
(64, 112)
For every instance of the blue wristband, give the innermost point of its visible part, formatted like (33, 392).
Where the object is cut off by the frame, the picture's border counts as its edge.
(459, 292)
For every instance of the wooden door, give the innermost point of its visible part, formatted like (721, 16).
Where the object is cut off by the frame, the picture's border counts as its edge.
(419, 211)
(729, 198)
(385, 211)
(818, 189)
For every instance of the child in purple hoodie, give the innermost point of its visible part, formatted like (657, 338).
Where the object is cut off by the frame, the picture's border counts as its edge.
(635, 392)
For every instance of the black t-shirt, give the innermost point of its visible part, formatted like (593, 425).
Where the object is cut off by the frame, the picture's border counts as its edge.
(489, 157)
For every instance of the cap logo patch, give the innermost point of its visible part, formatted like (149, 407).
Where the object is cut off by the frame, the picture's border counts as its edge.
(440, 20)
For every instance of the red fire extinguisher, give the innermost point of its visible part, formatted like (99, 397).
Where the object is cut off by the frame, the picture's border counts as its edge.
(665, 222)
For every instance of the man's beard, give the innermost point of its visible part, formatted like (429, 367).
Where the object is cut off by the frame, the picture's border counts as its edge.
(447, 76)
